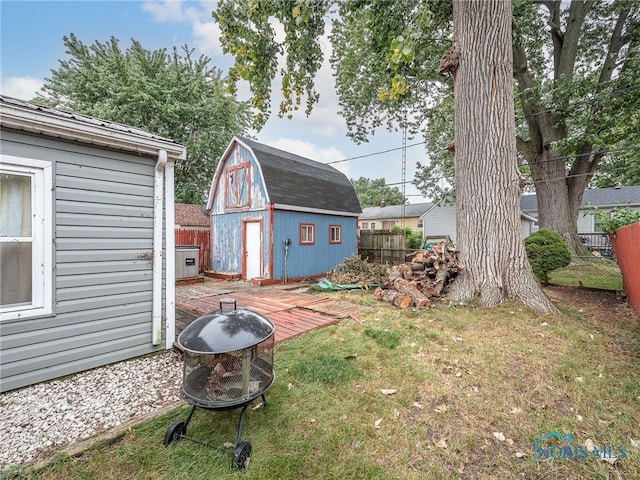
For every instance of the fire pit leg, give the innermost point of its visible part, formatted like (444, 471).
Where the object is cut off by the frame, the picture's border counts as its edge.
(240, 423)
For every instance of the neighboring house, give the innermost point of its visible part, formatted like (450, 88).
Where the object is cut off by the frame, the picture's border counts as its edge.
(276, 216)
(604, 199)
(386, 216)
(87, 206)
(192, 226)
(440, 220)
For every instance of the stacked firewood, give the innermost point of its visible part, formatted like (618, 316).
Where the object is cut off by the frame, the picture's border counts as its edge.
(424, 277)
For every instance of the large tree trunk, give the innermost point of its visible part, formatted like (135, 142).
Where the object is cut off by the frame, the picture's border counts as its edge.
(487, 180)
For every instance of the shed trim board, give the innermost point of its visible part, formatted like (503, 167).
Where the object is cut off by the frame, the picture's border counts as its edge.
(112, 244)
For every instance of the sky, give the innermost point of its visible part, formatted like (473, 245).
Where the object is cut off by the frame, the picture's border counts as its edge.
(31, 46)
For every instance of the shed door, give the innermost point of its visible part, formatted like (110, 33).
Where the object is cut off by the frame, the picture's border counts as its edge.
(252, 257)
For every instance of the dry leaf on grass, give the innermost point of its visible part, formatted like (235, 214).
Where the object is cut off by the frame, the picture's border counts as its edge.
(388, 391)
(442, 443)
(441, 409)
(500, 436)
(377, 423)
(521, 454)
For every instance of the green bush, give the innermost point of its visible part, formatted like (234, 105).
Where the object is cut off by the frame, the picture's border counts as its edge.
(618, 217)
(414, 239)
(547, 252)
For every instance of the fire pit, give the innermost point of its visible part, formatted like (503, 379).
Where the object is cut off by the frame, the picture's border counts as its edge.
(228, 363)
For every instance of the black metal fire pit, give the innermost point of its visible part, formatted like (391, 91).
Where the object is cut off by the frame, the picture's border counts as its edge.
(228, 363)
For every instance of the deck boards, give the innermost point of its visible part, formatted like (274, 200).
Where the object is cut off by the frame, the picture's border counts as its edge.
(293, 313)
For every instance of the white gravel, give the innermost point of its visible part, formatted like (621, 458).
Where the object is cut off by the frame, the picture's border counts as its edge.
(46, 417)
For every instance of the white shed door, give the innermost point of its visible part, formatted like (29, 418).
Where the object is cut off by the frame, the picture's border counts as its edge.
(252, 250)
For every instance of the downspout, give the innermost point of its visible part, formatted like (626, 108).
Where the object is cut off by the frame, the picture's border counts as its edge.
(158, 198)
(170, 268)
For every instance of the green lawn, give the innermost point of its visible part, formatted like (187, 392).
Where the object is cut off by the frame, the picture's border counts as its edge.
(600, 273)
(441, 393)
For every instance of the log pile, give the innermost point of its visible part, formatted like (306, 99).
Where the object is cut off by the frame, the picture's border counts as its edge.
(423, 278)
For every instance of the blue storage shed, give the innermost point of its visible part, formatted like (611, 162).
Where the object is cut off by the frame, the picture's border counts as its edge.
(277, 216)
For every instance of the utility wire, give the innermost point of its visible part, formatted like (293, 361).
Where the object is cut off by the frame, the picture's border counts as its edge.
(375, 153)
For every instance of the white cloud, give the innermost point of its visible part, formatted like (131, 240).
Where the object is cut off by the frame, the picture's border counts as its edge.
(24, 88)
(165, 11)
(311, 151)
(204, 30)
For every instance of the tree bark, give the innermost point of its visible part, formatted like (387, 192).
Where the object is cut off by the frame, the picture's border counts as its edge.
(487, 180)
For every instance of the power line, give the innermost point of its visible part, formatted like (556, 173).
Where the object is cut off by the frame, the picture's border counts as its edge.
(566, 157)
(375, 153)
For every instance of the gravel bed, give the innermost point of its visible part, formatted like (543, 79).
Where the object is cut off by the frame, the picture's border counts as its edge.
(38, 420)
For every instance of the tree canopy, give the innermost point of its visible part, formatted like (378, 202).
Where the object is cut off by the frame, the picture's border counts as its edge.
(576, 66)
(169, 94)
(388, 69)
(371, 192)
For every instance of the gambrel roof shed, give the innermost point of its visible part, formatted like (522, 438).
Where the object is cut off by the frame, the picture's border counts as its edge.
(276, 216)
(293, 182)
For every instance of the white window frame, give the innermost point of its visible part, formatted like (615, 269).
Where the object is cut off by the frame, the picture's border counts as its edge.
(41, 173)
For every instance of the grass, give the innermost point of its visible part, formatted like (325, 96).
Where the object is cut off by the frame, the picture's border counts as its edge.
(462, 377)
(600, 273)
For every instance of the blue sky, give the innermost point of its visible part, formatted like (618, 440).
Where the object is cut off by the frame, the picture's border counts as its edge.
(31, 46)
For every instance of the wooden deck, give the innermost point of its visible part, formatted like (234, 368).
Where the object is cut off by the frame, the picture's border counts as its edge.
(292, 311)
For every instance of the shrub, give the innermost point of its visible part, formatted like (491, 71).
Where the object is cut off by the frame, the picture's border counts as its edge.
(547, 252)
(619, 217)
(414, 239)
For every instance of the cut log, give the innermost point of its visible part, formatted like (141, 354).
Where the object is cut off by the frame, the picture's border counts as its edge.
(397, 299)
(409, 289)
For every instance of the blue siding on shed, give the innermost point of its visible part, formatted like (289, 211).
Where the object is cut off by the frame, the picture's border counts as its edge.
(316, 259)
(226, 240)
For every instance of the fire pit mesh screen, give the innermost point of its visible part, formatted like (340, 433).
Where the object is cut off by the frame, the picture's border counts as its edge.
(215, 380)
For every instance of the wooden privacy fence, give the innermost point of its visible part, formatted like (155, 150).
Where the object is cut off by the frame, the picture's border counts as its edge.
(200, 238)
(382, 246)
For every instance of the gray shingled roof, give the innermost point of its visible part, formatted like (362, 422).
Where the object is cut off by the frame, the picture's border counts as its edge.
(599, 197)
(297, 181)
(394, 211)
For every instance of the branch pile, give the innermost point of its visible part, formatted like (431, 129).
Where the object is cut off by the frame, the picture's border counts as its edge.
(424, 277)
(356, 271)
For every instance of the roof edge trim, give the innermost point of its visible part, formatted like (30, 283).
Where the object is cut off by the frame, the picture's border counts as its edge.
(78, 131)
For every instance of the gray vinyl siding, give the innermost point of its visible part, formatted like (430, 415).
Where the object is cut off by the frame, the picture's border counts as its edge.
(102, 205)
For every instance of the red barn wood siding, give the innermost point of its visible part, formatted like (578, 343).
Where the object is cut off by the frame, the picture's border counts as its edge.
(200, 238)
(626, 246)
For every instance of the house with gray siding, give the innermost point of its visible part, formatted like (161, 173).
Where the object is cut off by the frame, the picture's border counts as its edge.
(439, 220)
(277, 216)
(86, 243)
(604, 199)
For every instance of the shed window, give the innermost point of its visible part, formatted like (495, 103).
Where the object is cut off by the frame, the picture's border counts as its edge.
(307, 234)
(238, 186)
(25, 237)
(335, 234)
